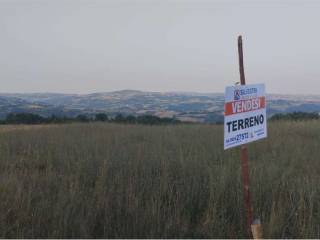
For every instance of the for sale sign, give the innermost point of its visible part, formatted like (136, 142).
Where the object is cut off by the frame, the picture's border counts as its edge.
(244, 114)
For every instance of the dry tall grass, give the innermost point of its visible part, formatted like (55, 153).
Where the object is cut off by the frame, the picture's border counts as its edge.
(105, 180)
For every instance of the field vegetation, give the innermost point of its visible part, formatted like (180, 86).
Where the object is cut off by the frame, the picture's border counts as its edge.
(105, 180)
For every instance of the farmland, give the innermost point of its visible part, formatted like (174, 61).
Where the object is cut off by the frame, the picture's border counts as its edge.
(103, 180)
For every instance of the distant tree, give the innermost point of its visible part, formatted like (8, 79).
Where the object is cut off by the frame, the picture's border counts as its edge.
(55, 119)
(149, 119)
(24, 118)
(119, 118)
(30, 118)
(82, 118)
(130, 119)
(101, 117)
(295, 116)
(60, 119)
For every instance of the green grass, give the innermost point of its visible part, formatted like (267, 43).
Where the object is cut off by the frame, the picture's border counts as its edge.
(122, 181)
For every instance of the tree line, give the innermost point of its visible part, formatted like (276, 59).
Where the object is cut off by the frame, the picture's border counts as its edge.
(31, 118)
(296, 116)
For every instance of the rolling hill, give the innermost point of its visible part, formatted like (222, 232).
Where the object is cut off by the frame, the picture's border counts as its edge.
(195, 107)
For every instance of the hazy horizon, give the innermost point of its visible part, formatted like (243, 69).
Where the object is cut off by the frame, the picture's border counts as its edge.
(137, 90)
(83, 47)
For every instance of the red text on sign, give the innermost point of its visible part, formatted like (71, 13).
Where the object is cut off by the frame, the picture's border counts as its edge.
(244, 105)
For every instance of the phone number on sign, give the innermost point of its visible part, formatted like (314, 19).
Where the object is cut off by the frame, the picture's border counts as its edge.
(238, 137)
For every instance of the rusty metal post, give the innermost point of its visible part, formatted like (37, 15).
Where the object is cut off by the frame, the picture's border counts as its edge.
(244, 153)
(241, 68)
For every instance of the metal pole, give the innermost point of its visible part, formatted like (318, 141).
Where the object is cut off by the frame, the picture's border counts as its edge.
(244, 153)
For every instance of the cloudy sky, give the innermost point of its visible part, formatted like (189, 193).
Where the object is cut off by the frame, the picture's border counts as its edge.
(77, 46)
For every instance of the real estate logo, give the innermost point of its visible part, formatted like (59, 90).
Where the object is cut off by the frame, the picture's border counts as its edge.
(236, 94)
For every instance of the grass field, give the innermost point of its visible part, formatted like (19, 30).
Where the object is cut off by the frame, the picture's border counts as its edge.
(122, 181)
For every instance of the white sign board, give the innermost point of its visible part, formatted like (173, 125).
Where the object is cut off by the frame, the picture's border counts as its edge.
(245, 117)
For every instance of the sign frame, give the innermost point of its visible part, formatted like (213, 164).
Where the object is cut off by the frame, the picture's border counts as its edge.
(245, 118)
